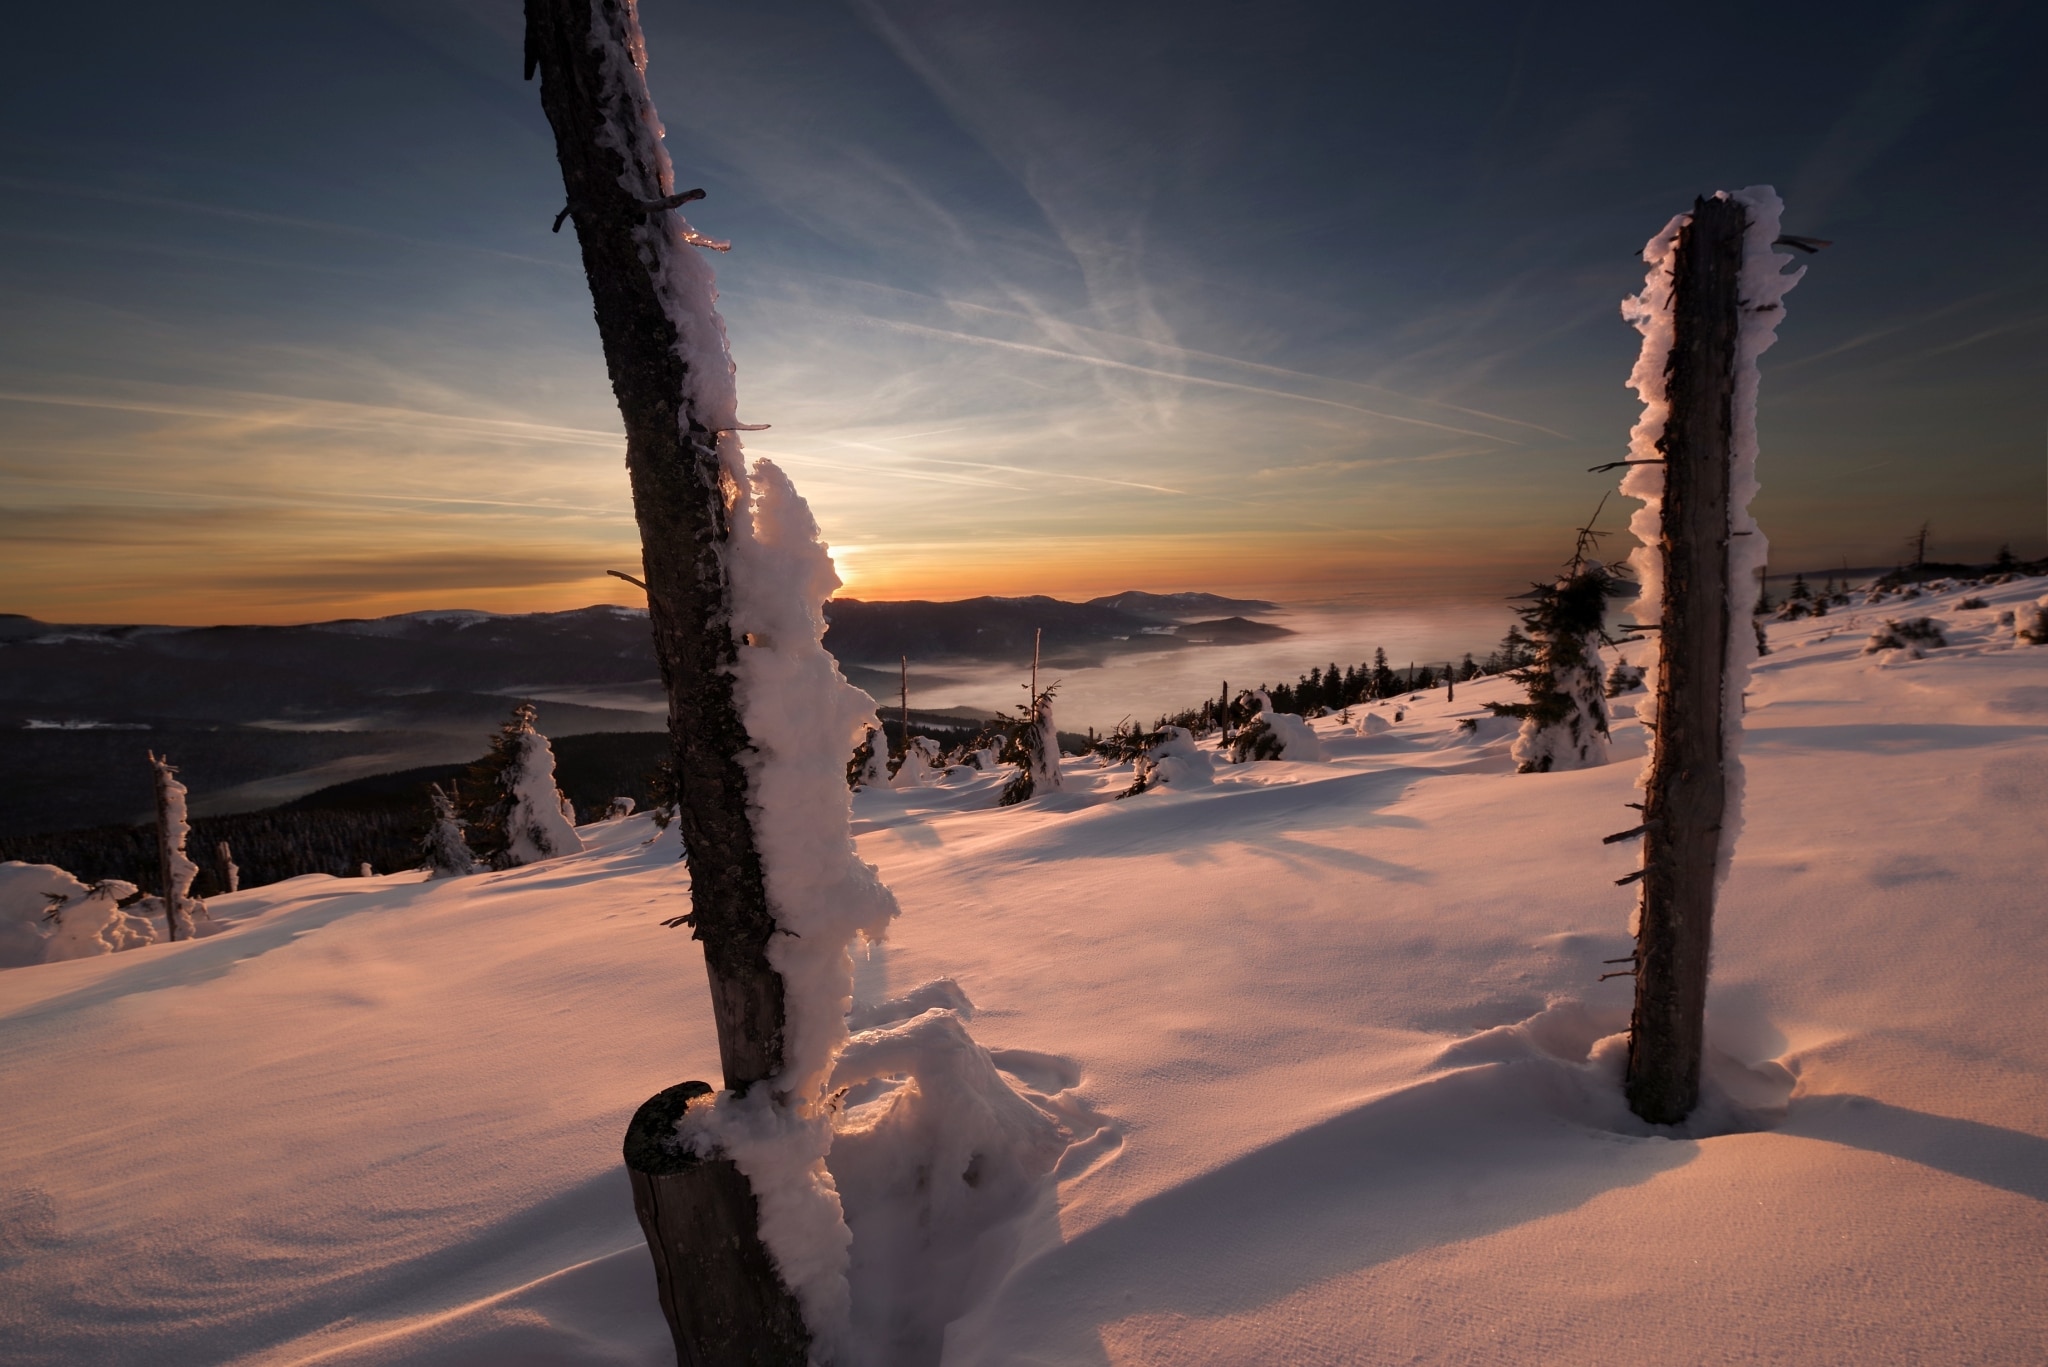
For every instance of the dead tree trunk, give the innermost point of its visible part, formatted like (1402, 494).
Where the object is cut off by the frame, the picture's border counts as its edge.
(1687, 789)
(679, 502)
(169, 884)
(753, 1319)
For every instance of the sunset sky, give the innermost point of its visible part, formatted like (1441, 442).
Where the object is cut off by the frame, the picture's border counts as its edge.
(1313, 301)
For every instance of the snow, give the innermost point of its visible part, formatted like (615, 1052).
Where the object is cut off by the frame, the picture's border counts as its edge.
(177, 828)
(47, 916)
(1298, 740)
(1763, 286)
(537, 825)
(1176, 760)
(803, 719)
(921, 764)
(1327, 1041)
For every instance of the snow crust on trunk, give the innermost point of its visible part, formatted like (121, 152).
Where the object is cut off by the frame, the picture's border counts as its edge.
(1043, 749)
(177, 830)
(1762, 289)
(802, 719)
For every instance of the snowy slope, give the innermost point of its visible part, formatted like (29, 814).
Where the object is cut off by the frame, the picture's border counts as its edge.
(1320, 1031)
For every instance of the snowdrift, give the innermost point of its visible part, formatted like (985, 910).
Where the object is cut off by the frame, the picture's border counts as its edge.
(1310, 1063)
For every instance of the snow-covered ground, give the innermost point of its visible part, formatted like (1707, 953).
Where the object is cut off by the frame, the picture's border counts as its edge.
(1327, 1040)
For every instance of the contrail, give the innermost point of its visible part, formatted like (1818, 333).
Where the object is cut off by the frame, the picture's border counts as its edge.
(1052, 353)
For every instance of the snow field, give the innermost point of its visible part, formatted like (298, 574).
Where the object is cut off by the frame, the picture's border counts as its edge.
(1313, 1062)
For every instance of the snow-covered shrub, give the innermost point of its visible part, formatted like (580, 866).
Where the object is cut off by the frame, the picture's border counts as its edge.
(1373, 724)
(1971, 603)
(1624, 678)
(515, 814)
(869, 767)
(445, 850)
(568, 810)
(47, 915)
(919, 763)
(1798, 601)
(1915, 635)
(1172, 760)
(619, 808)
(1274, 735)
(230, 872)
(1564, 722)
(95, 923)
(1037, 752)
(2030, 623)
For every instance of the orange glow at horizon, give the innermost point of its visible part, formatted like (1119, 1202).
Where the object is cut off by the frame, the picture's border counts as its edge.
(264, 586)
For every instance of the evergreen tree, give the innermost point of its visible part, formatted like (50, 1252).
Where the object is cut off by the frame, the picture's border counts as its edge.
(446, 852)
(1383, 685)
(1564, 722)
(1036, 753)
(869, 765)
(514, 812)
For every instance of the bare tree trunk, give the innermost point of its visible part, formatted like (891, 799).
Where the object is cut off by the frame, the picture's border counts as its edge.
(1687, 789)
(673, 465)
(672, 462)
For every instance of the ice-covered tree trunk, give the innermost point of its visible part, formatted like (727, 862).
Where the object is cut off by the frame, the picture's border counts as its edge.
(760, 724)
(174, 867)
(1709, 308)
(675, 395)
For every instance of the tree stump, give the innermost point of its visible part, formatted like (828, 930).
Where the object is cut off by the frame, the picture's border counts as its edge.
(725, 1302)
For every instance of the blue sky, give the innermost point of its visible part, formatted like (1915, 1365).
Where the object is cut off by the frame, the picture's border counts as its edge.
(1316, 301)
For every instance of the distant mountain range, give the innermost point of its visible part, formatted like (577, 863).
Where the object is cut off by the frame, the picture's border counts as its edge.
(1002, 629)
(260, 715)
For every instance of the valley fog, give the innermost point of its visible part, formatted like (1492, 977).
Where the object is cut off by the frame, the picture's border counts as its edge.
(1144, 685)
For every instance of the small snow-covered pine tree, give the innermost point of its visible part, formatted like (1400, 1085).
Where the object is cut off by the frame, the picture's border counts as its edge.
(1037, 752)
(869, 767)
(1564, 722)
(517, 819)
(446, 851)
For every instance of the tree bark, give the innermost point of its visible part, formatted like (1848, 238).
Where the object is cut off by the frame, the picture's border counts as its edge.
(1687, 790)
(719, 1290)
(725, 1302)
(678, 499)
